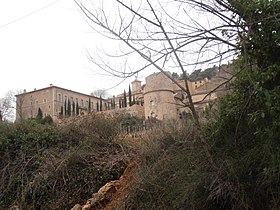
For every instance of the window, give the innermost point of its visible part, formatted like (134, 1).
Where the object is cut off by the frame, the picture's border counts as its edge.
(72, 99)
(59, 97)
(152, 102)
(91, 105)
(65, 98)
(45, 100)
(82, 102)
(31, 103)
(36, 101)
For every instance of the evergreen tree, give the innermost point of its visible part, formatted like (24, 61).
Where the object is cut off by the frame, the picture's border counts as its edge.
(40, 114)
(133, 100)
(114, 102)
(69, 107)
(129, 96)
(73, 107)
(100, 104)
(120, 103)
(77, 108)
(89, 105)
(65, 108)
(124, 99)
(61, 111)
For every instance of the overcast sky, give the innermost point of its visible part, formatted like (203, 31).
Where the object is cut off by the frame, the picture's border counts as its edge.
(44, 42)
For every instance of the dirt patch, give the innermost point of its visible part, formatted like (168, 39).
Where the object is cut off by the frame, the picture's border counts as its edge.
(112, 194)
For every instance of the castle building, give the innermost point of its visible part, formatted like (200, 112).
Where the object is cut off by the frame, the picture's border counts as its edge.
(160, 97)
(54, 101)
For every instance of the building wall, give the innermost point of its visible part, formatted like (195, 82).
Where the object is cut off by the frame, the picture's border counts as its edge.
(159, 100)
(50, 100)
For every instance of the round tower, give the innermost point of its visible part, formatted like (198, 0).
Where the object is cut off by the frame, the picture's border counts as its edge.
(159, 100)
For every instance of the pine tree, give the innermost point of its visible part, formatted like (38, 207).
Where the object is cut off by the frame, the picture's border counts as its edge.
(124, 99)
(129, 96)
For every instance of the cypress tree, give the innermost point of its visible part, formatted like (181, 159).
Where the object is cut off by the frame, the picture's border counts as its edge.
(120, 103)
(129, 96)
(114, 102)
(69, 107)
(77, 108)
(89, 105)
(124, 99)
(65, 108)
(133, 100)
(100, 104)
(73, 107)
(61, 111)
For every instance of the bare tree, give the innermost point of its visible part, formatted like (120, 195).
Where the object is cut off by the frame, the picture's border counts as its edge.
(100, 93)
(178, 34)
(7, 106)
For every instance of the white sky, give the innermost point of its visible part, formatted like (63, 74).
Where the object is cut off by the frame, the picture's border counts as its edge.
(44, 42)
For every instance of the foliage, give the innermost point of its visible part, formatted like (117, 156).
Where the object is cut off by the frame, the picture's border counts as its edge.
(172, 170)
(129, 96)
(54, 167)
(243, 139)
(124, 99)
(69, 107)
(39, 114)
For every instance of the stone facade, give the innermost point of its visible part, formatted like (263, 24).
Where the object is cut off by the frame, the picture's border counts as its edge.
(159, 98)
(51, 100)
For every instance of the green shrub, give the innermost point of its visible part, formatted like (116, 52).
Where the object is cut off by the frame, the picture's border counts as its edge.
(47, 166)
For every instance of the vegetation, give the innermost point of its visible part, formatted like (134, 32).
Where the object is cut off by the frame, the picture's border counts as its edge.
(230, 162)
(47, 166)
(243, 169)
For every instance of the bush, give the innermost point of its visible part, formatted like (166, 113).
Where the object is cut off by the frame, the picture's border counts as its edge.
(54, 167)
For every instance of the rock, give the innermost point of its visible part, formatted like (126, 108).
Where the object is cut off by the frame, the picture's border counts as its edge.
(109, 189)
(86, 207)
(77, 207)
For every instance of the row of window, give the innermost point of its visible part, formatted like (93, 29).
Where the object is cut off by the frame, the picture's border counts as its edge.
(36, 102)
